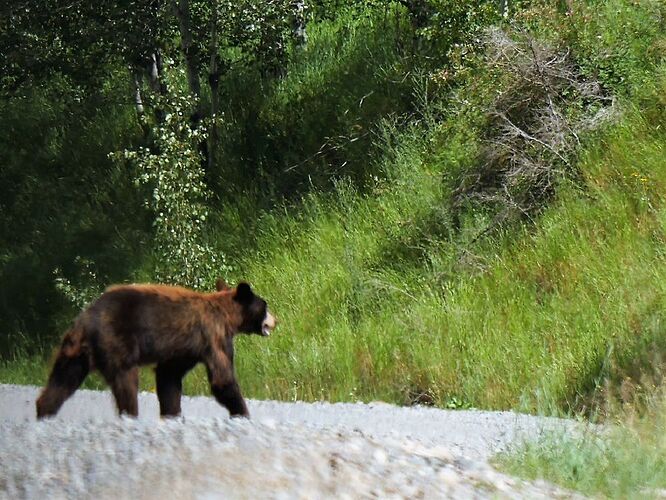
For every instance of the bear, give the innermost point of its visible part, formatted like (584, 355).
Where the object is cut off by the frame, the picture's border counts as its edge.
(172, 327)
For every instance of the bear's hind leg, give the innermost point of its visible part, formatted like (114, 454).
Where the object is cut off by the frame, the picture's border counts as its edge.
(169, 382)
(125, 388)
(66, 377)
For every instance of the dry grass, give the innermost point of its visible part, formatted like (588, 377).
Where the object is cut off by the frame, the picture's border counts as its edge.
(532, 127)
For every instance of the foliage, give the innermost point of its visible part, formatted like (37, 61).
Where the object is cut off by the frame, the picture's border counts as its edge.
(453, 28)
(78, 40)
(317, 124)
(80, 296)
(256, 30)
(178, 195)
(61, 199)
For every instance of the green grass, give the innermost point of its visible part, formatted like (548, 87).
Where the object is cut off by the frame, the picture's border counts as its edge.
(379, 297)
(627, 461)
(24, 370)
(529, 320)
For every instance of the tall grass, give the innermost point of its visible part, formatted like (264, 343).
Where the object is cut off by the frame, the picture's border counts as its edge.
(625, 461)
(381, 296)
(531, 320)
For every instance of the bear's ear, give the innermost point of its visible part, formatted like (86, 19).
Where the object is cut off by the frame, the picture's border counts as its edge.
(244, 293)
(220, 285)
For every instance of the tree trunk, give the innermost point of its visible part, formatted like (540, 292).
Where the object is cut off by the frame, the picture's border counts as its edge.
(137, 82)
(214, 83)
(157, 84)
(136, 89)
(191, 55)
(155, 73)
(504, 8)
(299, 26)
(192, 66)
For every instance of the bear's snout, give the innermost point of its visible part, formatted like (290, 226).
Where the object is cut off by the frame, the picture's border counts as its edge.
(268, 325)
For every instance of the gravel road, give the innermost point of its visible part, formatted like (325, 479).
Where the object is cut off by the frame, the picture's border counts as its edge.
(287, 450)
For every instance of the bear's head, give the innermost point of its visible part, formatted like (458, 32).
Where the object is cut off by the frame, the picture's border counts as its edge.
(255, 316)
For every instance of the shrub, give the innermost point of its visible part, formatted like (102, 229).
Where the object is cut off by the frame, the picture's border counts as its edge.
(173, 171)
(531, 129)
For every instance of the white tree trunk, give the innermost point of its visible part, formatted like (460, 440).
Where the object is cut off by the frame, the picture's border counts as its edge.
(214, 83)
(190, 53)
(137, 79)
(299, 30)
(504, 8)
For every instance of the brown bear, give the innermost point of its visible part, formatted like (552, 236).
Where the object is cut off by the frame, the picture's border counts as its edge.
(172, 327)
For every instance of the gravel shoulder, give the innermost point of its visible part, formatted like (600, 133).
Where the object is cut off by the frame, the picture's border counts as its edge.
(286, 450)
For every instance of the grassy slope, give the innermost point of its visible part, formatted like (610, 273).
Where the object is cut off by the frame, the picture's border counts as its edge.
(584, 288)
(377, 298)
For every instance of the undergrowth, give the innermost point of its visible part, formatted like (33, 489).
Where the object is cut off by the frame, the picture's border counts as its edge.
(385, 290)
(534, 319)
(624, 460)
(382, 295)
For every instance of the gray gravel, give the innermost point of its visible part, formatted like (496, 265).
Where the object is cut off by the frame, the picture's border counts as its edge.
(287, 450)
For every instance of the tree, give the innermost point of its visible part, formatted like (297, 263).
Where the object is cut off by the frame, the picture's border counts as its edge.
(84, 41)
(220, 35)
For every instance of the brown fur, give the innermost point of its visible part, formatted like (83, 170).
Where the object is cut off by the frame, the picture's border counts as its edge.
(172, 327)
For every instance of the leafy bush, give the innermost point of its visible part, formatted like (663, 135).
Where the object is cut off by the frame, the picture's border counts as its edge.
(173, 171)
(61, 199)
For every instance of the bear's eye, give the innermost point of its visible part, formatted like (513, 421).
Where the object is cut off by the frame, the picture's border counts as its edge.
(259, 308)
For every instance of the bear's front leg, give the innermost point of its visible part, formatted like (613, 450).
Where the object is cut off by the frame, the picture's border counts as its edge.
(67, 375)
(229, 395)
(223, 384)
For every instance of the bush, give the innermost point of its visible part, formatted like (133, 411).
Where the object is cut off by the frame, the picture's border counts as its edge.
(61, 199)
(173, 171)
(531, 129)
